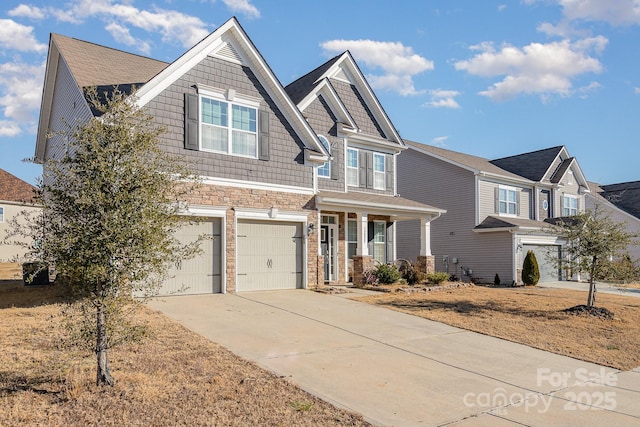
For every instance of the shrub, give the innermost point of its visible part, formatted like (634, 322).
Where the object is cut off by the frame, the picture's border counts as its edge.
(387, 274)
(411, 275)
(369, 277)
(530, 270)
(496, 280)
(437, 277)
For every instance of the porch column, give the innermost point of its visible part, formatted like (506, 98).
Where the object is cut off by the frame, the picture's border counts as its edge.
(362, 261)
(425, 262)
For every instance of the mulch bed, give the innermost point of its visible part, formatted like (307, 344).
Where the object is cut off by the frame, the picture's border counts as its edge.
(422, 288)
(583, 310)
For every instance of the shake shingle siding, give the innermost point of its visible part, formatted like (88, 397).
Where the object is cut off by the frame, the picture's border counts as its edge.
(285, 165)
(357, 108)
(323, 122)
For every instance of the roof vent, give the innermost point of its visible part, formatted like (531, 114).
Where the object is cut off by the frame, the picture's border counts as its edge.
(228, 52)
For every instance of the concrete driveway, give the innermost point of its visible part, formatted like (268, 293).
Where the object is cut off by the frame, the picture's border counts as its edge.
(400, 370)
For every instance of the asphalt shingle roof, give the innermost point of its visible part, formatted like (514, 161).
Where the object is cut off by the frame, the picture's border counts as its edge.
(13, 189)
(301, 87)
(625, 195)
(531, 165)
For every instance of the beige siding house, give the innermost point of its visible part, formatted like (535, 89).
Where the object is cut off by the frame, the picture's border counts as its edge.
(496, 209)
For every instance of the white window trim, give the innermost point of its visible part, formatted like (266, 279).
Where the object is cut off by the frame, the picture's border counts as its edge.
(566, 197)
(384, 239)
(356, 168)
(378, 173)
(231, 98)
(506, 188)
(328, 162)
(347, 241)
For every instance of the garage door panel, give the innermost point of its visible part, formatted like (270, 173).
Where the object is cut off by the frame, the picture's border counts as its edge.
(269, 255)
(203, 273)
(547, 256)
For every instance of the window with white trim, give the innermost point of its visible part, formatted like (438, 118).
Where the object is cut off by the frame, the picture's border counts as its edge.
(378, 172)
(507, 201)
(352, 167)
(352, 238)
(324, 171)
(228, 127)
(569, 206)
(379, 242)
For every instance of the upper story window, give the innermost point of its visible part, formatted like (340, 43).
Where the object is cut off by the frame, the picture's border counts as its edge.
(379, 172)
(507, 201)
(228, 127)
(569, 205)
(325, 170)
(352, 167)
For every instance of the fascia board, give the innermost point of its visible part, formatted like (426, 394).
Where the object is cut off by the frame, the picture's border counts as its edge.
(332, 202)
(331, 96)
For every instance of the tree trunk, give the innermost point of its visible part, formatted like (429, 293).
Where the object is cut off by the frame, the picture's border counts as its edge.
(103, 376)
(591, 298)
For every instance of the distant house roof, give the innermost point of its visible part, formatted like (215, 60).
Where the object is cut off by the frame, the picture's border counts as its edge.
(625, 195)
(95, 65)
(533, 165)
(13, 189)
(299, 88)
(475, 163)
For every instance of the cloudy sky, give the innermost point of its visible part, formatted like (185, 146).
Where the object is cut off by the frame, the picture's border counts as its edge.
(489, 78)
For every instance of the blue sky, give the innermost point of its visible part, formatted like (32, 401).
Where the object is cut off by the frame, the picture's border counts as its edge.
(489, 78)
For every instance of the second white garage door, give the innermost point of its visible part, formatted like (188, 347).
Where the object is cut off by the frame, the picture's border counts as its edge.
(547, 257)
(270, 255)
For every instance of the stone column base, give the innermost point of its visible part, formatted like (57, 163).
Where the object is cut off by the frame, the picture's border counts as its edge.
(361, 263)
(426, 264)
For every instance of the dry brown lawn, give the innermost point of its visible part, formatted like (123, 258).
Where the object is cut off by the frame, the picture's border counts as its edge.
(175, 377)
(534, 317)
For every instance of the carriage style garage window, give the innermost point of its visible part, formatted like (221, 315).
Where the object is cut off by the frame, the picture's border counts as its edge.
(379, 182)
(569, 206)
(324, 171)
(352, 167)
(228, 127)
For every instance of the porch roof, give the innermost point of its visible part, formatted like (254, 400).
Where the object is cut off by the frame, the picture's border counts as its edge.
(376, 204)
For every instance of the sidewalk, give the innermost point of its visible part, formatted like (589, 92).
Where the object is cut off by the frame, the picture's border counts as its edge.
(605, 288)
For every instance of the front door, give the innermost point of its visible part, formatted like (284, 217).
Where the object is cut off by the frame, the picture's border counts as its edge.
(328, 234)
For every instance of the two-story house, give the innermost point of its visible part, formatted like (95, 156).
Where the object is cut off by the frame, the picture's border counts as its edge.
(262, 162)
(496, 208)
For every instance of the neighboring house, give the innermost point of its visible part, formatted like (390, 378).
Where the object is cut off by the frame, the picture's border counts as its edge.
(496, 208)
(621, 202)
(16, 196)
(357, 188)
(258, 156)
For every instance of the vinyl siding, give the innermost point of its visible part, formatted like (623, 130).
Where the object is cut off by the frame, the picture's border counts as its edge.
(69, 107)
(569, 187)
(487, 191)
(285, 165)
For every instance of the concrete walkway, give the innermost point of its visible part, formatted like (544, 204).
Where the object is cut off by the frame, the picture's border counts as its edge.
(605, 288)
(401, 370)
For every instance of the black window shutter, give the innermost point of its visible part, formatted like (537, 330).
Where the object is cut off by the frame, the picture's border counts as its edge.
(191, 125)
(369, 170)
(388, 164)
(362, 168)
(335, 165)
(263, 138)
(370, 237)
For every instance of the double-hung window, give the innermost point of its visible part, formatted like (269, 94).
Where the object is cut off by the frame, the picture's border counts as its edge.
(352, 238)
(324, 171)
(228, 127)
(378, 172)
(507, 201)
(569, 206)
(379, 241)
(352, 167)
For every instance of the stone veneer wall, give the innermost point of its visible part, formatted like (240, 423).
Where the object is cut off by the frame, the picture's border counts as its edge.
(361, 263)
(426, 264)
(234, 197)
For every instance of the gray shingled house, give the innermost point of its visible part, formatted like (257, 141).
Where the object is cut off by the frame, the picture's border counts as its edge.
(296, 182)
(496, 209)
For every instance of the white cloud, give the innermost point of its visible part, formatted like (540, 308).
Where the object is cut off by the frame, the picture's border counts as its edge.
(398, 62)
(501, 7)
(439, 141)
(637, 90)
(443, 99)
(243, 6)
(9, 128)
(26, 11)
(543, 69)
(122, 35)
(615, 12)
(21, 90)
(19, 37)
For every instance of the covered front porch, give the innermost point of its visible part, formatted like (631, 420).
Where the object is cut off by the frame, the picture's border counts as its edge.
(357, 232)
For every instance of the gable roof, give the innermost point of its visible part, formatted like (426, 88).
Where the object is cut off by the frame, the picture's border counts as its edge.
(13, 189)
(95, 65)
(305, 88)
(475, 164)
(533, 165)
(625, 195)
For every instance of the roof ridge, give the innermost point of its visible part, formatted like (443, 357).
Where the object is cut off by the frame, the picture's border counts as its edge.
(557, 147)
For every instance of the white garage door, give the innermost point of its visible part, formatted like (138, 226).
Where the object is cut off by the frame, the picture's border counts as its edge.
(201, 274)
(547, 256)
(269, 255)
